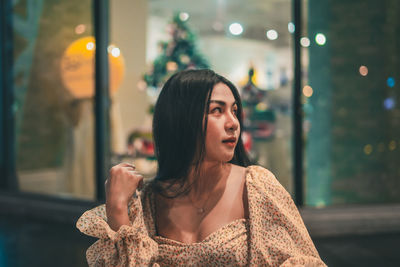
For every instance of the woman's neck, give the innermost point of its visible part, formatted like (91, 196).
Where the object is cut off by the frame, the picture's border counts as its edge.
(208, 176)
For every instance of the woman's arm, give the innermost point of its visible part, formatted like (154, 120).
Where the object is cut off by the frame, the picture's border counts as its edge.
(117, 215)
(278, 234)
(120, 187)
(123, 239)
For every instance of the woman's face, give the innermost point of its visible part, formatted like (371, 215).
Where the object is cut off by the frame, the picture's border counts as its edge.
(223, 126)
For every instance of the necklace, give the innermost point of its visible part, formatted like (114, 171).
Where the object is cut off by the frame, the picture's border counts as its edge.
(200, 210)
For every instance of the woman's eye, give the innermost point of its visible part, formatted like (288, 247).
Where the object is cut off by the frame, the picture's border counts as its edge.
(216, 110)
(235, 111)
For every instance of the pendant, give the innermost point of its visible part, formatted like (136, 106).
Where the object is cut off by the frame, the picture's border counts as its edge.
(200, 210)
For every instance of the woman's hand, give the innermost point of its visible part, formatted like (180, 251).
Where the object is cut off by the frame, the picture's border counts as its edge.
(120, 187)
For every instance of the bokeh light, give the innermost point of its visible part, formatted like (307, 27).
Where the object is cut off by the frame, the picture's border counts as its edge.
(320, 38)
(305, 42)
(261, 106)
(389, 103)
(236, 28)
(142, 85)
(363, 70)
(272, 34)
(90, 46)
(81, 28)
(183, 16)
(115, 52)
(368, 149)
(390, 82)
(172, 66)
(291, 27)
(307, 91)
(392, 145)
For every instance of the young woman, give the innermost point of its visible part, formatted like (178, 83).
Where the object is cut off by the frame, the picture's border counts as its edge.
(206, 206)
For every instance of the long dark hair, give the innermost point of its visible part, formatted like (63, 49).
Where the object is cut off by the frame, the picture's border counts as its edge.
(178, 131)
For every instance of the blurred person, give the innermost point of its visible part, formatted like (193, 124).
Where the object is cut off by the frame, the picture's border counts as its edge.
(206, 206)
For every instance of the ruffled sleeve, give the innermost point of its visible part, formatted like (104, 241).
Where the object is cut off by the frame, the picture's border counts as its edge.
(278, 236)
(129, 246)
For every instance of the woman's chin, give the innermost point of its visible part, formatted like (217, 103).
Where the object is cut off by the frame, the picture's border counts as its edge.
(220, 158)
(227, 158)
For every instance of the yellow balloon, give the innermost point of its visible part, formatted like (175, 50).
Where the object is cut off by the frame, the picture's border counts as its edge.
(77, 68)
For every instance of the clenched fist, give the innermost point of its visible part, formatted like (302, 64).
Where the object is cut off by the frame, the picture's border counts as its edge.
(120, 187)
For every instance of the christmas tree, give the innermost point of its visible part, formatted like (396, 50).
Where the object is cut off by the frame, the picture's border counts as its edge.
(177, 54)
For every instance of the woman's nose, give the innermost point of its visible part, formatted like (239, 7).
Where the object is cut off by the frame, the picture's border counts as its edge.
(231, 123)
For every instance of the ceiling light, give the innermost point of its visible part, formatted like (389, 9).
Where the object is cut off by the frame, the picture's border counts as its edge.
(272, 34)
(236, 28)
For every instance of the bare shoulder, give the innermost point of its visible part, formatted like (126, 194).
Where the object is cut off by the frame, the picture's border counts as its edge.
(238, 174)
(238, 180)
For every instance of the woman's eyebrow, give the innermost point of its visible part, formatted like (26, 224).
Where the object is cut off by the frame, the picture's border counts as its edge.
(220, 102)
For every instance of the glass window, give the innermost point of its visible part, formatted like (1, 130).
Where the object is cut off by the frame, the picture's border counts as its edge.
(53, 82)
(351, 102)
(249, 43)
(130, 115)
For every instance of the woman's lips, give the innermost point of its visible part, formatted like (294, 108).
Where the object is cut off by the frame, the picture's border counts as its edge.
(230, 142)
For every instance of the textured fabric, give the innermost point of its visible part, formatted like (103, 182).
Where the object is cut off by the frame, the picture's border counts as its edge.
(274, 234)
(225, 247)
(130, 246)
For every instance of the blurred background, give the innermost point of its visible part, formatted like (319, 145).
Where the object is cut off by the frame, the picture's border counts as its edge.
(319, 81)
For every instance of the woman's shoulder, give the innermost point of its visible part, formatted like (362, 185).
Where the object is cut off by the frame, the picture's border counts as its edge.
(259, 174)
(253, 173)
(264, 188)
(253, 169)
(258, 169)
(263, 179)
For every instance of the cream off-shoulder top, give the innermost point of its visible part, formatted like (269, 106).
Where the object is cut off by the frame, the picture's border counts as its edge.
(274, 234)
